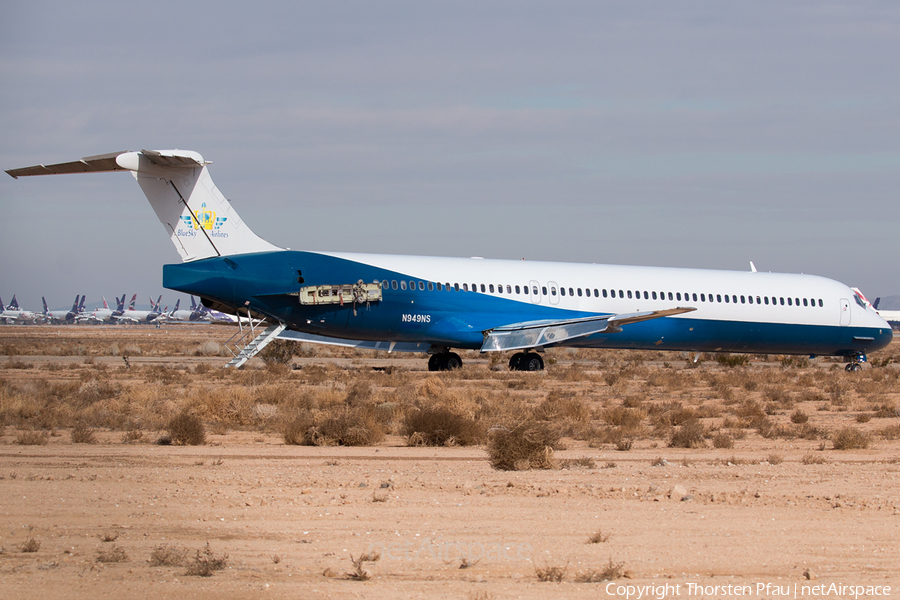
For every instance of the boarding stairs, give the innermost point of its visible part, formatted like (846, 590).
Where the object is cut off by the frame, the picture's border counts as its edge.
(256, 345)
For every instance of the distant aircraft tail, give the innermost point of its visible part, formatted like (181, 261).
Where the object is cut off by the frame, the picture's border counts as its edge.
(120, 304)
(81, 304)
(131, 304)
(200, 221)
(75, 304)
(14, 305)
(105, 305)
(876, 303)
(44, 300)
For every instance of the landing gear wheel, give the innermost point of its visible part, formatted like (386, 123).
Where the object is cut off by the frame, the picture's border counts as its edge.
(452, 361)
(853, 367)
(531, 362)
(445, 361)
(514, 361)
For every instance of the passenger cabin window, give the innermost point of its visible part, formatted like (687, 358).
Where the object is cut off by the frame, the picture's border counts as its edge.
(421, 286)
(509, 290)
(562, 291)
(456, 287)
(430, 286)
(718, 297)
(534, 290)
(544, 289)
(629, 294)
(403, 284)
(695, 297)
(517, 290)
(385, 284)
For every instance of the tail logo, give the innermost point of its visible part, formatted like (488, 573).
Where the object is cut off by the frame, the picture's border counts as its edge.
(207, 219)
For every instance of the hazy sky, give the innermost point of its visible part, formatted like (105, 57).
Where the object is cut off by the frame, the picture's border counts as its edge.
(699, 134)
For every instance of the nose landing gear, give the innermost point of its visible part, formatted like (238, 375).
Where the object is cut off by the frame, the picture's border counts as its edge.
(854, 364)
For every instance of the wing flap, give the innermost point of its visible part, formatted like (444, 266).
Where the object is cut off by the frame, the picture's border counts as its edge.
(534, 334)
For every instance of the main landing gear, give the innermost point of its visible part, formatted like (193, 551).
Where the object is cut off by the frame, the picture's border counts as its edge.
(526, 361)
(444, 361)
(855, 363)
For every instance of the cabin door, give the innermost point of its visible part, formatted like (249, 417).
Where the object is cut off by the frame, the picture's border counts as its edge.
(845, 312)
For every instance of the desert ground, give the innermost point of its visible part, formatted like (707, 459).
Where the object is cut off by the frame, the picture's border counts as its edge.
(761, 476)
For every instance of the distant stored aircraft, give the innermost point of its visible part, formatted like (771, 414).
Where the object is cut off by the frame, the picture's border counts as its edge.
(13, 314)
(891, 316)
(436, 304)
(61, 316)
(135, 316)
(105, 314)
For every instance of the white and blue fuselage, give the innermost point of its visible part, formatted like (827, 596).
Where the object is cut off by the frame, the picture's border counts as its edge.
(434, 304)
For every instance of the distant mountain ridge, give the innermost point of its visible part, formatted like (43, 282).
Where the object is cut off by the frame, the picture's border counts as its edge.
(889, 303)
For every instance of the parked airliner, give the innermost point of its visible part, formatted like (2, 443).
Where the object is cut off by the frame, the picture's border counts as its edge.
(434, 305)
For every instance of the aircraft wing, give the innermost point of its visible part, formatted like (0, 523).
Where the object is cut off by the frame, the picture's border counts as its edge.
(321, 339)
(534, 334)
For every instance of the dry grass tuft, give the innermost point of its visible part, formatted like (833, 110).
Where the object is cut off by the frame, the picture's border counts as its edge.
(529, 445)
(610, 572)
(113, 554)
(32, 438)
(441, 426)
(186, 430)
(813, 459)
(359, 572)
(599, 537)
(205, 563)
(553, 574)
(168, 556)
(850, 438)
(31, 545)
(82, 434)
(689, 435)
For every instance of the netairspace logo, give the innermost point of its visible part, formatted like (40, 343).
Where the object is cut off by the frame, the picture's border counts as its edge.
(759, 590)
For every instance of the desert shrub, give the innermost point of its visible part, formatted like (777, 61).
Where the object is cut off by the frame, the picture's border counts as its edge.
(440, 426)
(528, 445)
(167, 556)
(359, 572)
(732, 360)
(887, 411)
(113, 554)
(557, 407)
(813, 459)
(32, 438)
(82, 434)
(345, 427)
(31, 545)
(359, 393)
(723, 440)
(554, 573)
(279, 352)
(749, 410)
(205, 563)
(688, 435)
(850, 438)
(799, 417)
(891, 432)
(186, 430)
(294, 429)
(623, 417)
(609, 572)
(775, 459)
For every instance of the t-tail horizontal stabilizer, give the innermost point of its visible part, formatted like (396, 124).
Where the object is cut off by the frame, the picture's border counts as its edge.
(198, 218)
(535, 334)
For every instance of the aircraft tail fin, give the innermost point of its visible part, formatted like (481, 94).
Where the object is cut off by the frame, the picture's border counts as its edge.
(199, 219)
(876, 303)
(75, 304)
(46, 310)
(14, 305)
(81, 304)
(105, 305)
(131, 304)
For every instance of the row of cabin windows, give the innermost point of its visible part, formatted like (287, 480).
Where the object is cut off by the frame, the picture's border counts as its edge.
(597, 293)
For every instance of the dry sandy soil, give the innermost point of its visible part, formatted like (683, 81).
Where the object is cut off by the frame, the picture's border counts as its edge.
(447, 525)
